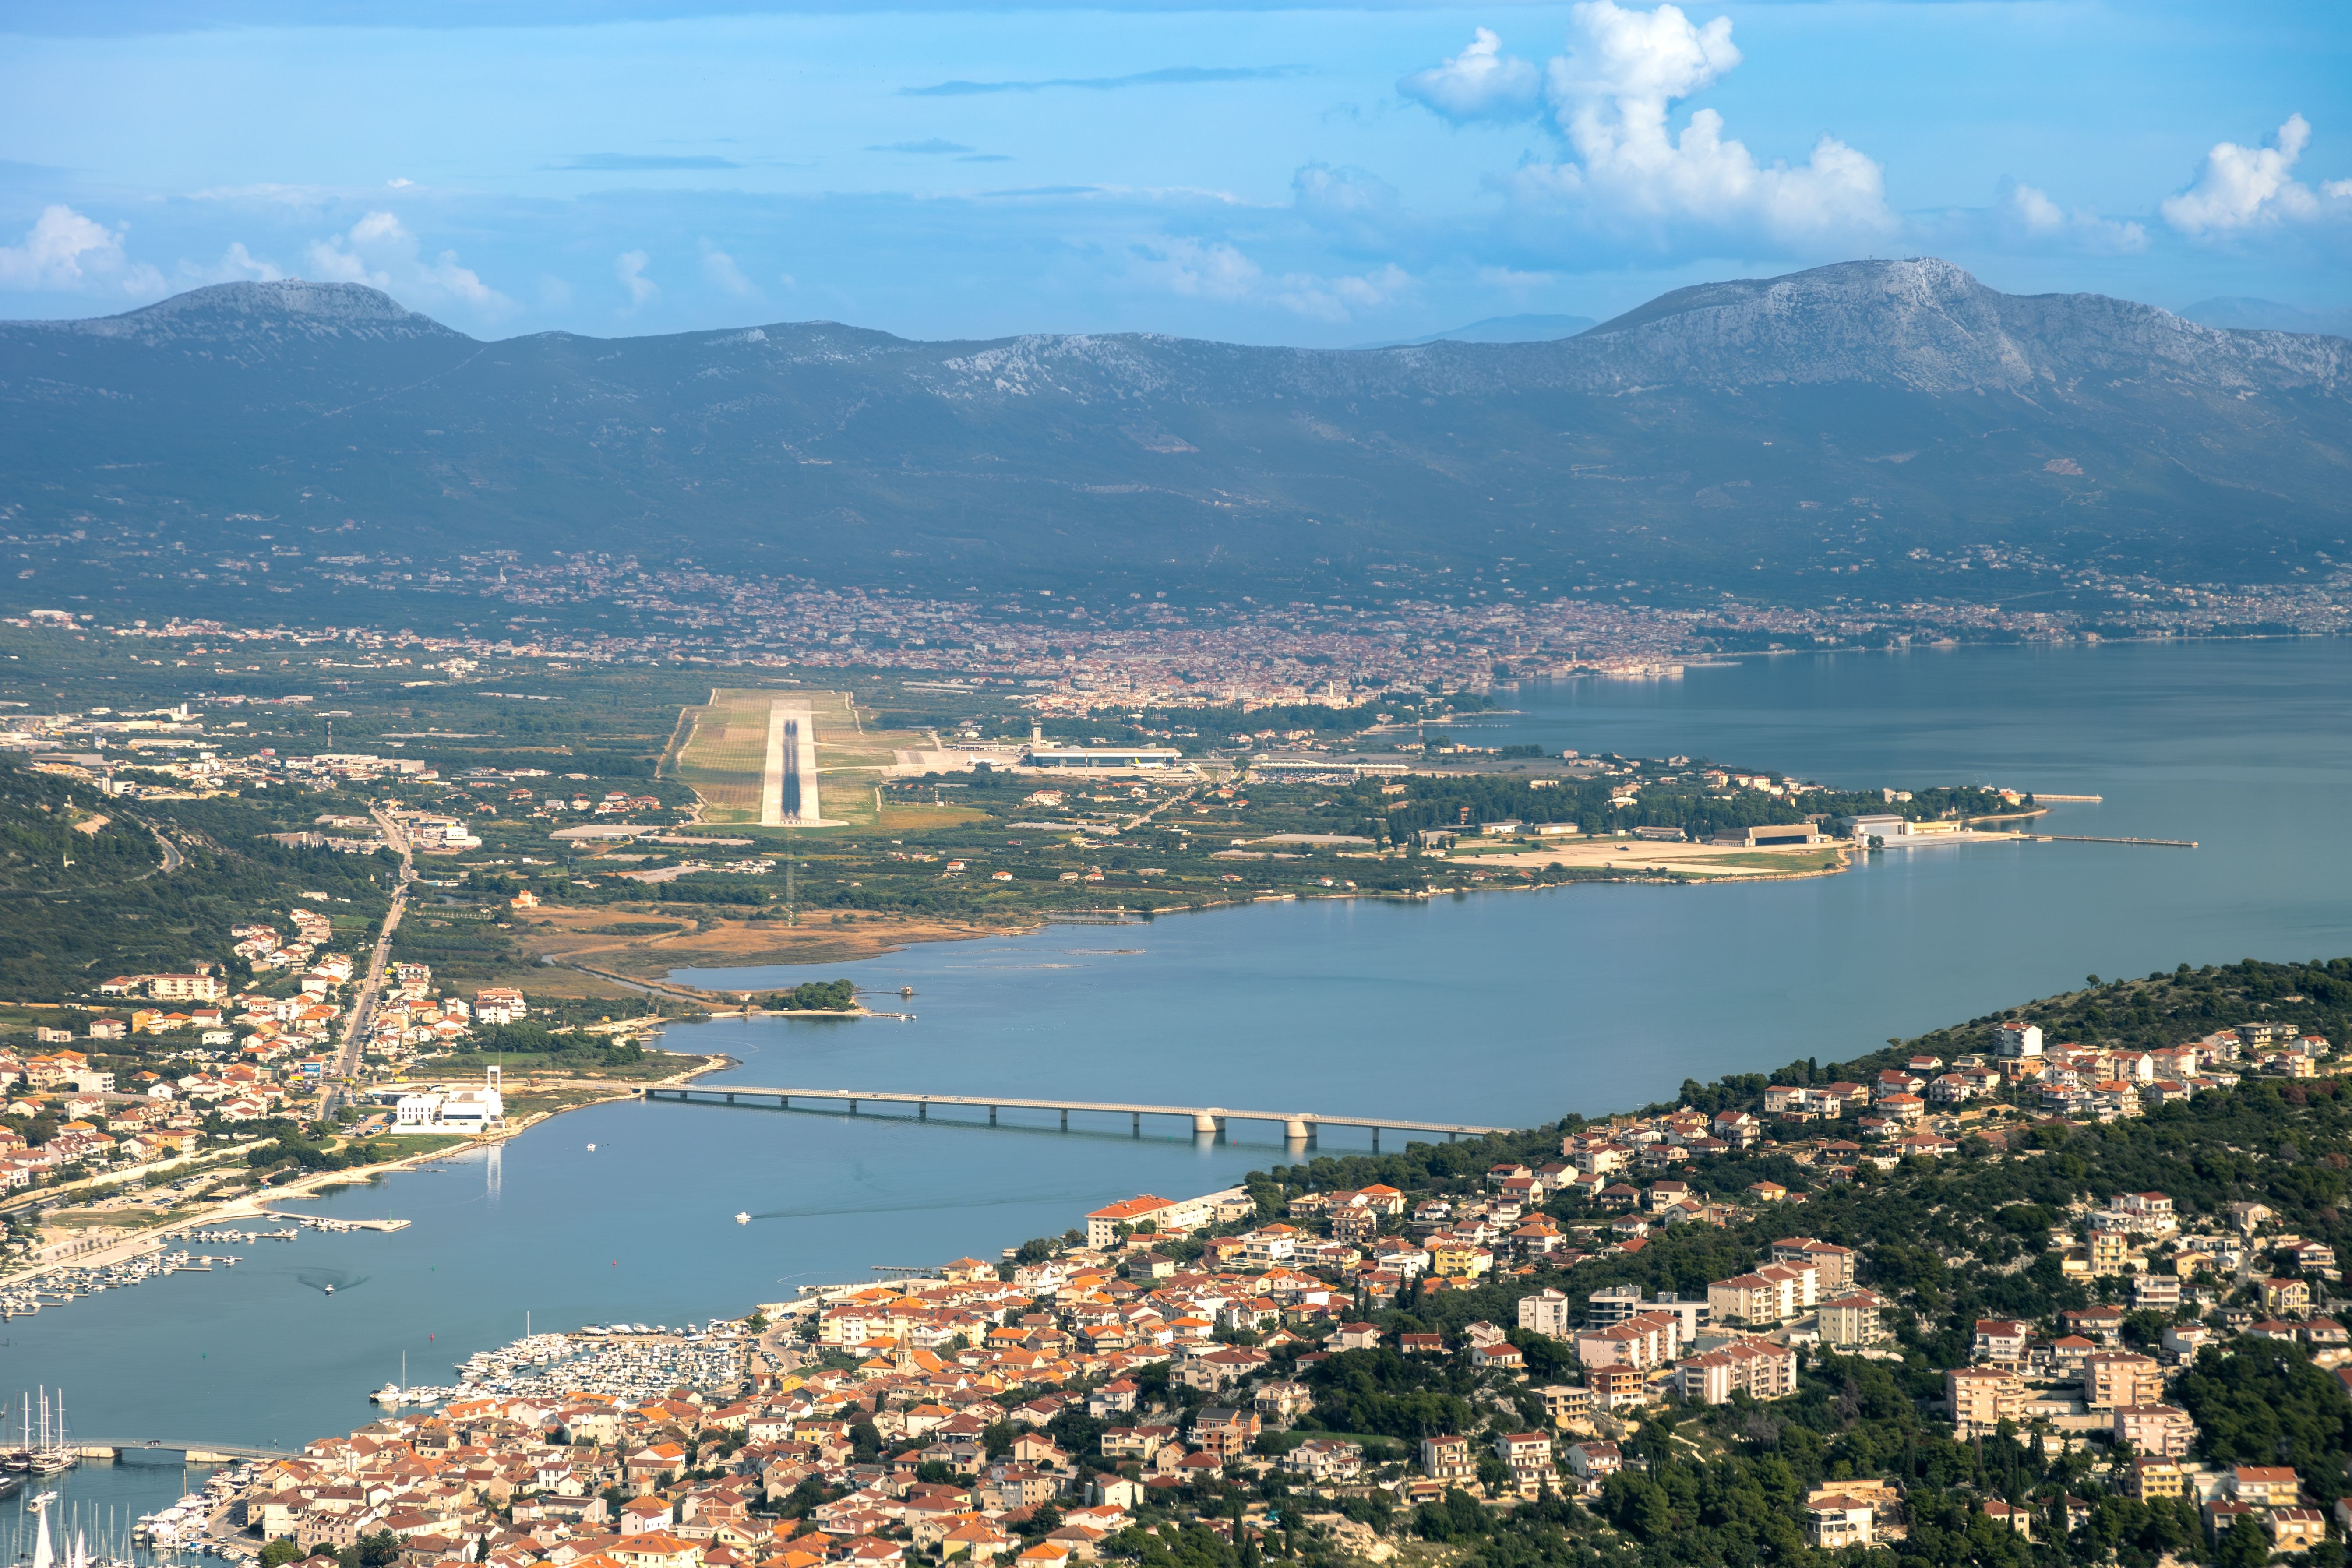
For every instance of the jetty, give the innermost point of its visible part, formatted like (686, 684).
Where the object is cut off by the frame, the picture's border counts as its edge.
(1208, 1120)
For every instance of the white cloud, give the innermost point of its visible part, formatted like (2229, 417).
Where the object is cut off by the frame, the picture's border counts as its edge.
(720, 269)
(65, 252)
(1218, 272)
(1480, 83)
(379, 251)
(1357, 207)
(2251, 187)
(629, 267)
(237, 265)
(1634, 177)
(2023, 214)
(1339, 298)
(1199, 272)
(1515, 282)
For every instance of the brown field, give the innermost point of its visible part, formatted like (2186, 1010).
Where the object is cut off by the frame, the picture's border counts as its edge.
(717, 942)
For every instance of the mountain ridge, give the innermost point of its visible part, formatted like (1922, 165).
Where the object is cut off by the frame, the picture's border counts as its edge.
(1756, 431)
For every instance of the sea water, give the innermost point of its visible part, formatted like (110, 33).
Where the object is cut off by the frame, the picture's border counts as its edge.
(1505, 1008)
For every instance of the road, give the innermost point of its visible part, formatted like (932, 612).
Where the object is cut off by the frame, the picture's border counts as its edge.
(346, 1060)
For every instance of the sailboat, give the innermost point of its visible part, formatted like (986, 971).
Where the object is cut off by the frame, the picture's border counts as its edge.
(52, 1456)
(43, 1557)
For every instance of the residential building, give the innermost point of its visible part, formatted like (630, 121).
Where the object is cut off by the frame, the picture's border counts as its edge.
(1447, 1460)
(2158, 1431)
(1837, 1521)
(1855, 1319)
(1546, 1313)
(1981, 1398)
(1593, 1463)
(1529, 1455)
(2151, 1478)
(2116, 1378)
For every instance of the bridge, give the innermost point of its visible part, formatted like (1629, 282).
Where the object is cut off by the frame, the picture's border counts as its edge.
(1205, 1119)
(197, 1453)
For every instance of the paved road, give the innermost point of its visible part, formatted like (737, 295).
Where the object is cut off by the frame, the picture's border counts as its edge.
(347, 1060)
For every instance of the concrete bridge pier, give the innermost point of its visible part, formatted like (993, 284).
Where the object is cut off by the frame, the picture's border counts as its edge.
(1065, 1119)
(922, 1110)
(1137, 1129)
(1299, 1127)
(1376, 1140)
(992, 1116)
(1204, 1122)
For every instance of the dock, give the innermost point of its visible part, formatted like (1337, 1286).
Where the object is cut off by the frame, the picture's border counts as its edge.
(1206, 1120)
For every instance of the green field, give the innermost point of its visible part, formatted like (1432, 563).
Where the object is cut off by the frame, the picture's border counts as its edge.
(725, 750)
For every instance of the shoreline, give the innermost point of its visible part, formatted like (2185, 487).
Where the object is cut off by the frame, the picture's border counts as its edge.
(885, 942)
(257, 1205)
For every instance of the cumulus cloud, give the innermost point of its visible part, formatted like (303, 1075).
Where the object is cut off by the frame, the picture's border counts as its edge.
(720, 269)
(379, 251)
(2255, 187)
(1480, 83)
(1357, 207)
(1630, 177)
(237, 265)
(1217, 270)
(2025, 216)
(1611, 95)
(65, 252)
(629, 267)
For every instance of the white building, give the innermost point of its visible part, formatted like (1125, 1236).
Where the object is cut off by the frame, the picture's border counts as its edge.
(2020, 1040)
(471, 1111)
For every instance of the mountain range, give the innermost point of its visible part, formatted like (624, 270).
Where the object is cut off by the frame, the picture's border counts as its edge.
(1859, 428)
(1500, 329)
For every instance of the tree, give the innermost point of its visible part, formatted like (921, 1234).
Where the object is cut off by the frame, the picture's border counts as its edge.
(278, 1553)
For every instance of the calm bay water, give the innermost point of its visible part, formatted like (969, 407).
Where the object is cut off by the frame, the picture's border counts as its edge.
(1509, 1008)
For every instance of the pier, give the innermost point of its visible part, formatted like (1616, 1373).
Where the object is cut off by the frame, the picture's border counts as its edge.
(1205, 1119)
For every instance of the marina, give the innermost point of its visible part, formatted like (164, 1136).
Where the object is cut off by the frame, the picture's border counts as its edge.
(625, 1360)
(63, 1283)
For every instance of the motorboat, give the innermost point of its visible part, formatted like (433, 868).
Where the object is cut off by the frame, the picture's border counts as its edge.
(742, 1219)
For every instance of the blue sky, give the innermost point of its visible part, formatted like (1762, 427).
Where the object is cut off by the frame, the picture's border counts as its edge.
(1309, 174)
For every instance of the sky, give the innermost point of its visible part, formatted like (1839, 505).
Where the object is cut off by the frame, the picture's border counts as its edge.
(1323, 176)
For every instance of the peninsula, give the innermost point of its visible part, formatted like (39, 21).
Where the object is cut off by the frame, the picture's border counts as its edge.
(2057, 1284)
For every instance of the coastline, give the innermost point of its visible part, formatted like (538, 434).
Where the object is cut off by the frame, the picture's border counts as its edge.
(879, 938)
(258, 1204)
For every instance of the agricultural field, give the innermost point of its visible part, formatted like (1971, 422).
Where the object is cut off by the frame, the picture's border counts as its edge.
(720, 754)
(723, 750)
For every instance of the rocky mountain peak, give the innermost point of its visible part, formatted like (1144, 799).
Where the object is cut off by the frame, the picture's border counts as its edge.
(287, 307)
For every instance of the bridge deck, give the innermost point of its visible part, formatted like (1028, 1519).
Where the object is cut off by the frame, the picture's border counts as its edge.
(1122, 1107)
(119, 1445)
